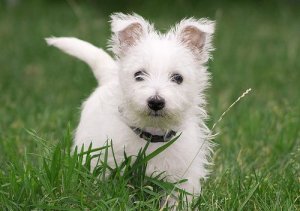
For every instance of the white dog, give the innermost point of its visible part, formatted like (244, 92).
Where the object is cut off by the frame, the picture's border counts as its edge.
(152, 90)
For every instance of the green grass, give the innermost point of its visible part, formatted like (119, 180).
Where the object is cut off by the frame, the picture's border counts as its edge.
(257, 159)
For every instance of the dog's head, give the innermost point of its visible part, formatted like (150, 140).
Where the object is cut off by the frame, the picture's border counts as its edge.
(162, 76)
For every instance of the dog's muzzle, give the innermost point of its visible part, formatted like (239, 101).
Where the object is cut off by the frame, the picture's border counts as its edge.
(156, 103)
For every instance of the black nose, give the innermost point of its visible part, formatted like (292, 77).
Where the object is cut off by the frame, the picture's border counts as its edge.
(156, 103)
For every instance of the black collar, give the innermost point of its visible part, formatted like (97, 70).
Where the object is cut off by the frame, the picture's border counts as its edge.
(153, 138)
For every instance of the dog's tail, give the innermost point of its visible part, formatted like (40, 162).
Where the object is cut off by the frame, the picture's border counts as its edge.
(103, 66)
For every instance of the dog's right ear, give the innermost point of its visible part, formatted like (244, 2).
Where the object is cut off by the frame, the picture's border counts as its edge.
(127, 31)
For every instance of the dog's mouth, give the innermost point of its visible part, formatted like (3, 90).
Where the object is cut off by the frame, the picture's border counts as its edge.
(156, 114)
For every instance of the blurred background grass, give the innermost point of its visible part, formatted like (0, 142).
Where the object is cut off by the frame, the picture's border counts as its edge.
(257, 45)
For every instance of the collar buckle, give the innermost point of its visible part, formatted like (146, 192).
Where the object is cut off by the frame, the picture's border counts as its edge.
(153, 138)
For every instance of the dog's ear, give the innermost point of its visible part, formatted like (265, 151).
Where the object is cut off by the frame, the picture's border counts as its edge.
(127, 31)
(196, 35)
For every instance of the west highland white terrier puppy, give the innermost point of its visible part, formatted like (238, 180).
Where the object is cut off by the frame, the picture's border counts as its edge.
(153, 90)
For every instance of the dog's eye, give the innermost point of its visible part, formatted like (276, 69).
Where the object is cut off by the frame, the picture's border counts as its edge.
(177, 78)
(139, 75)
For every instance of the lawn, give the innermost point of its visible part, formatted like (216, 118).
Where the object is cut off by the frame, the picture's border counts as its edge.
(257, 157)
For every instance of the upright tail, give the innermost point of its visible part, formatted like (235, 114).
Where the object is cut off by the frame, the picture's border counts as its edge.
(103, 66)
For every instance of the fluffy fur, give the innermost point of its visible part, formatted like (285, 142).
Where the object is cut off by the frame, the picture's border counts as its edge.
(120, 102)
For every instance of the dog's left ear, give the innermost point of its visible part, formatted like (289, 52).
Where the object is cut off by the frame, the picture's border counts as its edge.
(196, 35)
(127, 31)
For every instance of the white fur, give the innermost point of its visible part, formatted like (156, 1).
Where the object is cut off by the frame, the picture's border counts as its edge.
(103, 66)
(120, 101)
